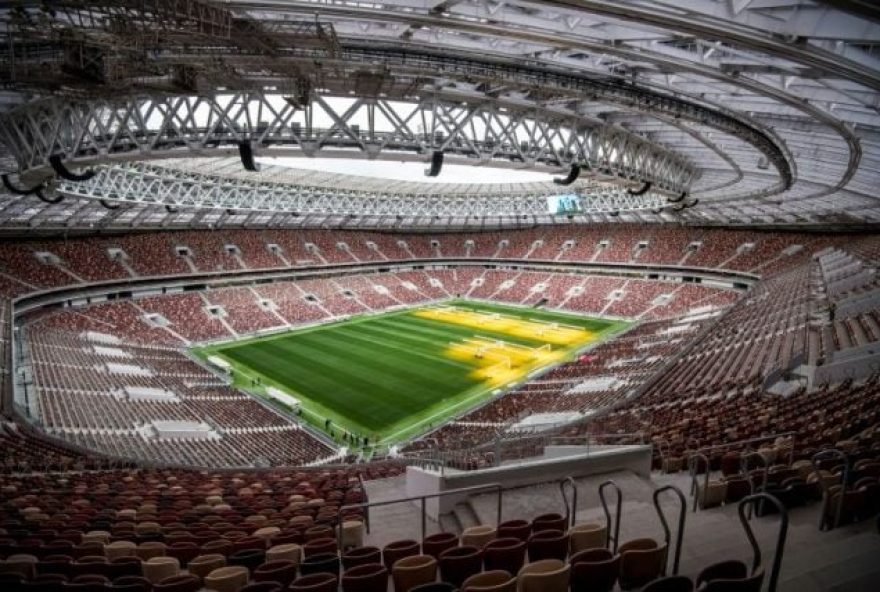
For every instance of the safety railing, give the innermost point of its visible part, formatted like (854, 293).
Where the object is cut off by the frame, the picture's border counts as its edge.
(570, 507)
(694, 469)
(662, 446)
(826, 488)
(745, 467)
(423, 499)
(667, 535)
(748, 502)
(740, 444)
(609, 538)
(366, 498)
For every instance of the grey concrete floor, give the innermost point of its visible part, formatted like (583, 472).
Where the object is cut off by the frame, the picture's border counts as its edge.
(845, 559)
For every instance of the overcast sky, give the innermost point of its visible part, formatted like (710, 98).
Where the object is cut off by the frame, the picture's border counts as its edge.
(411, 171)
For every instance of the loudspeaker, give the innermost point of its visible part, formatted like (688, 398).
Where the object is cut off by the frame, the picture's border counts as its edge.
(572, 176)
(246, 152)
(436, 164)
(642, 190)
(16, 190)
(63, 172)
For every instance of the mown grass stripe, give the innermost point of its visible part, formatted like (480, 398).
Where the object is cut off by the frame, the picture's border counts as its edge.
(386, 374)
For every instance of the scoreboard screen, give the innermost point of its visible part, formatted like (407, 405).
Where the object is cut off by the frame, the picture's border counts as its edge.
(569, 203)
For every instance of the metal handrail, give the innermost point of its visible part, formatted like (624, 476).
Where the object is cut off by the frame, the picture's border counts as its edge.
(692, 467)
(366, 500)
(682, 515)
(744, 466)
(741, 443)
(423, 499)
(658, 443)
(608, 537)
(826, 491)
(780, 540)
(570, 510)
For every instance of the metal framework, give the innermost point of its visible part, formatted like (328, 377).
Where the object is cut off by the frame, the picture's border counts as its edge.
(766, 112)
(478, 132)
(146, 184)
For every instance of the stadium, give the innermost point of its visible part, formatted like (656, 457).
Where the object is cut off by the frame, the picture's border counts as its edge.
(439, 296)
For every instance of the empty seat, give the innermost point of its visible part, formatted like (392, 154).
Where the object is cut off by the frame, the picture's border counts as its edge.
(321, 563)
(712, 494)
(318, 546)
(227, 579)
(490, 581)
(435, 544)
(150, 549)
(517, 529)
(641, 560)
(595, 570)
(435, 587)
(352, 534)
(202, 565)
(392, 552)
(360, 556)
(414, 570)
(670, 584)
(40, 583)
(478, 536)
(317, 582)
(729, 576)
(262, 587)
(159, 568)
(459, 563)
(249, 558)
(548, 544)
(586, 536)
(283, 572)
(285, 552)
(369, 577)
(506, 554)
(547, 575)
(178, 583)
(549, 522)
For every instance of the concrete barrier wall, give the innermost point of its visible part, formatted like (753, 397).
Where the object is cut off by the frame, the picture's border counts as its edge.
(559, 462)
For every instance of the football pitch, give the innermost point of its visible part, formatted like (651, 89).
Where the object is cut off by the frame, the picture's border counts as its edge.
(379, 379)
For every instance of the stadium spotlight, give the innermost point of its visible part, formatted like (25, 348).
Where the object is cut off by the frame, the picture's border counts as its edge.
(436, 164)
(15, 190)
(573, 173)
(642, 190)
(246, 152)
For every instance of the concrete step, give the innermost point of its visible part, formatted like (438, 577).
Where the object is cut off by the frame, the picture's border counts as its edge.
(466, 515)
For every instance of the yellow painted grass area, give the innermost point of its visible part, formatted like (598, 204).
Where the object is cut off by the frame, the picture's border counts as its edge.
(524, 329)
(498, 362)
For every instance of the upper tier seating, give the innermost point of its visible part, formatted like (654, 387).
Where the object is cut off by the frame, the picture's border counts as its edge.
(51, 264)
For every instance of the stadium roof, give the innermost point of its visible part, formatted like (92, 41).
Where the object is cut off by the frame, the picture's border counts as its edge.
(756, 111)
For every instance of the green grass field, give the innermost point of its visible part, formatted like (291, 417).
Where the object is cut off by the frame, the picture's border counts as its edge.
(388, 377)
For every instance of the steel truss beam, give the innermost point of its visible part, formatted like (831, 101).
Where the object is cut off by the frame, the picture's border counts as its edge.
(147, 184)
(479, 131)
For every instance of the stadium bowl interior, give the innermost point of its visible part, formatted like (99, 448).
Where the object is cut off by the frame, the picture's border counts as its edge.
(439, 295)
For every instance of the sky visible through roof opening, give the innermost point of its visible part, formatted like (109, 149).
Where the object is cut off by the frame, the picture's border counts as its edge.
(410, 171)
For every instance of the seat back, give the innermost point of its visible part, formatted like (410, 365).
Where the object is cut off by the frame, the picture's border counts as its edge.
(490, 581)
(412, 571)
(751, 583)
(595, 570)
(547, 575)
(670, 584)
(586, 536)
(641, 561)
